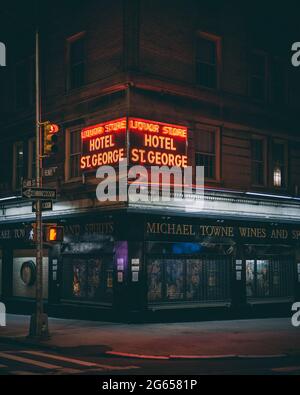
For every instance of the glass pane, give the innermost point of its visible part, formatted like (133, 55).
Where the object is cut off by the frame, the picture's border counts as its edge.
(278, 153)
(154, 280)
(77, 51)
(258, 173)
(174, 279)
(257, 149)
(94, 278)
(79, 279)
(206, 75)
(250, 278)
(263, 280)
(194, 277)
(77, 75)
(208, 162)
(206, 51)
(75, 142)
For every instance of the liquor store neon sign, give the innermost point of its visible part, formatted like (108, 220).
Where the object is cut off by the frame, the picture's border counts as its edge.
(151, 143)
(103, 144)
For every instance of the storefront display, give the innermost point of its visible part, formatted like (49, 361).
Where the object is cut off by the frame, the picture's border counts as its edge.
(24, 274)
(139, 262)
(88, 278)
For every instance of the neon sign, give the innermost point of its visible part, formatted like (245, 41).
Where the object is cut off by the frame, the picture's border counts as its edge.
(103, 144)
(150, 143)
(157, 144)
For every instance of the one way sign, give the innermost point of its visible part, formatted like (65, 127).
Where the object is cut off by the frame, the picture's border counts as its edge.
(39, 193)
(46, 205)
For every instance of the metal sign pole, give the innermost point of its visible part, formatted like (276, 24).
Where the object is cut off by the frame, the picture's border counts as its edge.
(39, 320)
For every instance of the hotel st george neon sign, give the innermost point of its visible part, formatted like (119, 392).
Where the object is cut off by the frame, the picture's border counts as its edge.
(151, 143)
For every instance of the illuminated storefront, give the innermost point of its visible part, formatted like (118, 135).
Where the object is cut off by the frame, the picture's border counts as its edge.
(155, 263)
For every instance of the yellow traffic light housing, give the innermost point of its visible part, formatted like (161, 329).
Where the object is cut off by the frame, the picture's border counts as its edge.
(54, 233)
(50, 138)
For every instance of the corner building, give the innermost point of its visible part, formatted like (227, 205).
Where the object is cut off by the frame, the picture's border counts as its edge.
(208, 69)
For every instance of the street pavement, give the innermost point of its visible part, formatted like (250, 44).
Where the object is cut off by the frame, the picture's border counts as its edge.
(32, 361)
(260, 346)
(261, 337)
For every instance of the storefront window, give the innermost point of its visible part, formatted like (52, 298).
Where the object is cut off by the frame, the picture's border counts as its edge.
(189, 279)
(174, 279)
(262, 279)
(155, 280)
(88, 278)
(250, 283)
(270, 277)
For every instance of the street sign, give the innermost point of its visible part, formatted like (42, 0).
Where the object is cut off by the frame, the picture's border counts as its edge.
(39, 193)
(28, 183)
(50, 171)
(46, 205)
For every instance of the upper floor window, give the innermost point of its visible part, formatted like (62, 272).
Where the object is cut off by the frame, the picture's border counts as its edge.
(279, 164)
(207, 152)
(73, 153)
(18, 164)
(258, 161)
(207, 60)
(258, 75)
(24, 83)
(76, 61)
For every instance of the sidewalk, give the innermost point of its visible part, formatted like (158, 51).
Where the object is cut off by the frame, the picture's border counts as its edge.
(259, 337)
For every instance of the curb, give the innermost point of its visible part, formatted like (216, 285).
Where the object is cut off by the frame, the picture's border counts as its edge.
(137, 356)
(195, 357)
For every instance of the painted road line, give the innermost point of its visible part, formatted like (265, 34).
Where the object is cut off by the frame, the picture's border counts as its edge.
(28, 361)
(77, 361)
(110, 368)
(60, 358)
(287, 369)
(140, 356)
(258, 356)
(24, 373)
(225, 356)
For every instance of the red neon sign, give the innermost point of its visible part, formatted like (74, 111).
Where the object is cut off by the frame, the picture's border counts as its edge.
(103, 144)
(157, 144)
(151, 143)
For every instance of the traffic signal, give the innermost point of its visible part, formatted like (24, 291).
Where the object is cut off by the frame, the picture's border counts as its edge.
(54, 233)
(50, 138)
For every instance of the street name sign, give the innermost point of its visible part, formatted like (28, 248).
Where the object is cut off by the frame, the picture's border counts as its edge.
(39, 193)
(29, 183)
(46, 205)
